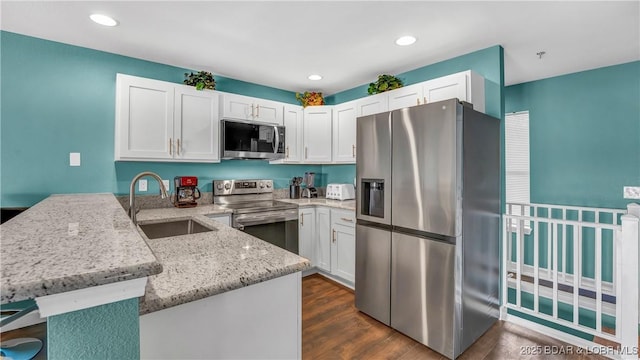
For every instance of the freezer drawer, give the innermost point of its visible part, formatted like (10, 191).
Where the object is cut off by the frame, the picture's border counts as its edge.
(373, 265)
(422, 291)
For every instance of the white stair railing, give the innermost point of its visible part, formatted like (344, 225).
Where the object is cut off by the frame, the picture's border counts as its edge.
(581, 258)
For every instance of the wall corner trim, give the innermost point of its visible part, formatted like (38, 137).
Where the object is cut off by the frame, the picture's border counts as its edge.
(65, 302)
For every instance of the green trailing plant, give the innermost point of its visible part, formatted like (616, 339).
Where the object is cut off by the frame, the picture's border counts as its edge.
(384, 83)
(201, 80)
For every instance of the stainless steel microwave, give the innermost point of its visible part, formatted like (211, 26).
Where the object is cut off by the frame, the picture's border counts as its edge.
(251, 140)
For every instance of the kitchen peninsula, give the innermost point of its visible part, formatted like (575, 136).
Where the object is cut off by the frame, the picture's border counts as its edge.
(66, 251)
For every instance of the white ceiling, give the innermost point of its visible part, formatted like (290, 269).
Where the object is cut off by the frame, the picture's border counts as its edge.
(278, 43)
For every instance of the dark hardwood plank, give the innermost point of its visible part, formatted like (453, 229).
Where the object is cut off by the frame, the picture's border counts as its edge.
(332, 328)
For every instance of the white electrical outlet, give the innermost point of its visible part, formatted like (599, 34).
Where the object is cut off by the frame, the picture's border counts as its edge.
(631, 192)
(74, 159)
(142, 185)
(166, 184)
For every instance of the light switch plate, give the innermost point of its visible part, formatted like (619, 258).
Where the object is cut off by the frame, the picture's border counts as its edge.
(631, 192)
(142, 185)
(74, 159)
(166, 184)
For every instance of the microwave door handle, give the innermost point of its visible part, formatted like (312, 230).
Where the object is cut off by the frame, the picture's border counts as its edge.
(276, 144)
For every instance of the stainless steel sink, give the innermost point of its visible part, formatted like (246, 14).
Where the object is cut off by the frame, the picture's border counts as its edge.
(173, 228)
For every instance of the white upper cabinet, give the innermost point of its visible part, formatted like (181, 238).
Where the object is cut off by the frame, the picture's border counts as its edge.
(248, 108)
(406, 96)
(344, 132)
(162, 121)
(293, 123)
(144, 119)
(317, 134)
(372, 104)
(196, 124)
(269, 111)
(466, 86)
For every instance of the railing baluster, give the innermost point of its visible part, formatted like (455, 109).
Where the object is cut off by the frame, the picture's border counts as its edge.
(536, 269)
(598, 278)
(564, 247)
(519, 255)
(554, 245)
(576, 273)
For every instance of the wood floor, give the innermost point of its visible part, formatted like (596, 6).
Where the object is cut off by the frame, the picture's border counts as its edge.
(332, 328)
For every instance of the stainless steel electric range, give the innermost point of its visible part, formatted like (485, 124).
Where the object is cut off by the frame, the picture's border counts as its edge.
(257, 213)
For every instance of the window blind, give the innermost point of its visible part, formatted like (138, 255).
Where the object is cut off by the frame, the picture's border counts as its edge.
(517, 173)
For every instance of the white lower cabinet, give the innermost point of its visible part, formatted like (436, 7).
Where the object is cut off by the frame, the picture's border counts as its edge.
(306, 233)
(322, 245)
(343, 244)
(327, 238)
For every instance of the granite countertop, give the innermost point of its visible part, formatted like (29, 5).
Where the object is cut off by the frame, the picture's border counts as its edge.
(70, 242)
(209, 263)
(173, 212)
(345, 204)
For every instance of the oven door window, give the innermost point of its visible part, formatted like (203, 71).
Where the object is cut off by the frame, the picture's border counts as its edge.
(283, 234)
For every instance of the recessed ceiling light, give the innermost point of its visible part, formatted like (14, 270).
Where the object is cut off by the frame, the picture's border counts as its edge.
(103, 20)
(405, 40)
(314, 77)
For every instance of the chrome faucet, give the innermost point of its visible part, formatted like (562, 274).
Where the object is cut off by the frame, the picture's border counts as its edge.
(132, 192)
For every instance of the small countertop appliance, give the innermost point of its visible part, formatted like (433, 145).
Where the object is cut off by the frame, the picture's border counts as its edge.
(309, 191)
(341, 191)
(187, 191)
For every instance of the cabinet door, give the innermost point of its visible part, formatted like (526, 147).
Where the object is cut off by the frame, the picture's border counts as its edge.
(306, 234)
(322, 245)
(405, 97)
(344, 133)
(372, 104)
(317, 134)
(196, 124)
(144, 119)
(268, 111)
(293, 133)
(343, 252)
(446, 87)
(237, 107)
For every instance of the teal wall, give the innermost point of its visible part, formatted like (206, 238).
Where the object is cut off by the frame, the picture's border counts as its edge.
(584, 135)
(57, 98)
(110, 331)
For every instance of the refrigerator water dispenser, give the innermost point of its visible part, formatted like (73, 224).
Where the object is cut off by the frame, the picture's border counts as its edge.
(372, 198)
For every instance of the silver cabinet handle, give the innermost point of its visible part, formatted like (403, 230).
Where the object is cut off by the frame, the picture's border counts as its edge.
(306, 152)
(334, 236)
(178, 146)
(346, 219)
(287, 154)
(353, 150)
(302, 219)
(170, 147)
(418, 101)
(258, 110)
(252, 111)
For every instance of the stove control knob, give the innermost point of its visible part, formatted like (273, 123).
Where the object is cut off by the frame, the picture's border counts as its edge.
(261, 185)
(268, 185)
(220, 186)
(227, 186)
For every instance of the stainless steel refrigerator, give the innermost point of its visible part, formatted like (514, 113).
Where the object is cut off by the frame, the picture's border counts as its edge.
(427, 233)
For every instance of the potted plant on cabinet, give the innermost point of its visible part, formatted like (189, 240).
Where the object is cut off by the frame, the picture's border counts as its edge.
(201, 80)
(310, 98)
(384, 83)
